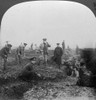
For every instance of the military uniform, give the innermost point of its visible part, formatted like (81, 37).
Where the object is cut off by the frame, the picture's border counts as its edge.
(45, 46)
(58, 52)
(63, 47)
(4, 55)
(28, 72)
(18, 54)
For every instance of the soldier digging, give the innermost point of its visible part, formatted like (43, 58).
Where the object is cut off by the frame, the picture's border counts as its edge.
(28, 73)
(18, 54)
(4, 55)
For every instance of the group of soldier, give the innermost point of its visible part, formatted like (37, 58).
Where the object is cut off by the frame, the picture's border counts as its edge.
(73, 67)
(6, 50)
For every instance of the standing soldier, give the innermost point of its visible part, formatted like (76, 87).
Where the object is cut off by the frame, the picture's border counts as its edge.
(63, 46)
(58, 52)
(4, 55)
(45, 46)
(77, 50)
(32, 46)
(24, 45)
(7, 42)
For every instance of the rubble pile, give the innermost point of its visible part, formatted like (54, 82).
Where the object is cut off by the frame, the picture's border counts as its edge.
(53, 90)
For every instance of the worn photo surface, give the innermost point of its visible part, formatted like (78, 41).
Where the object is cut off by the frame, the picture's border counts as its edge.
(47, 50)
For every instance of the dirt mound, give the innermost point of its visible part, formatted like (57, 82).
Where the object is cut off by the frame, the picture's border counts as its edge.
(55, 90)
(49, 71)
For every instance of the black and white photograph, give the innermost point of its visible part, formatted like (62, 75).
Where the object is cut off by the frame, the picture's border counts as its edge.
(47, 49)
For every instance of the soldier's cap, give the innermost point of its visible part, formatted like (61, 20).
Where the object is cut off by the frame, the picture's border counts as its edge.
(25, 43)
(9, 45)
(32, 59)
(44, 39)
(58, 43)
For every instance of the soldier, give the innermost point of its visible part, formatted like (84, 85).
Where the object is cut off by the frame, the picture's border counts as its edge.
(32, 46)
(28, 72)
(77, 50)
(45, 46)
(4, 54)
(7, 42)
(23, 48)
(58, 52)
(18, 55)
(63, 46)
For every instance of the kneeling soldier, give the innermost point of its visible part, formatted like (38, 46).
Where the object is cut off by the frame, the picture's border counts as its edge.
(28, 73)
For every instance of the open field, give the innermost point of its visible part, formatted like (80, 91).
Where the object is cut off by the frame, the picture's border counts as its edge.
(55, 85)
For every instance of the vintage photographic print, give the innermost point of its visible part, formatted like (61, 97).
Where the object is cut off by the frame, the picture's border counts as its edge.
(47, 50)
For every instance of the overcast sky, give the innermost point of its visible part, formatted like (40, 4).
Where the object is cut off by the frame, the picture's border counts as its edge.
(55, 20)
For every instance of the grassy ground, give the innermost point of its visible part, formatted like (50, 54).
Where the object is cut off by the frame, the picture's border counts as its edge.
(11, 88)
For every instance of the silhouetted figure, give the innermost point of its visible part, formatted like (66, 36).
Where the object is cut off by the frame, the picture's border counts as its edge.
(84, 76)
(63, 46)
(32, 46)
(58, 52)
(77, 50)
